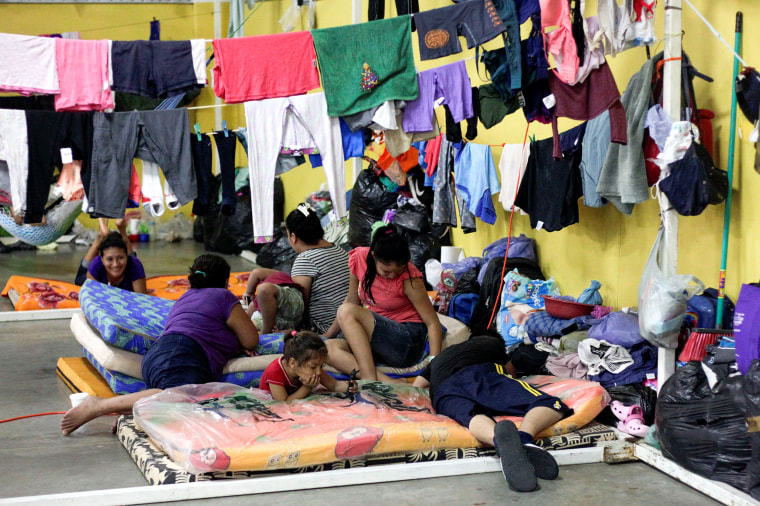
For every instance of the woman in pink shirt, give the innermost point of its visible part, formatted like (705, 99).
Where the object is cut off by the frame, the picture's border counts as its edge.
(387, 314)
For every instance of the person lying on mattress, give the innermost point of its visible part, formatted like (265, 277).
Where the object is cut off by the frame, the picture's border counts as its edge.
(468, 383)
(300, 369)
(320, 272)
(134, 266)
(387, 315)
(205, 328)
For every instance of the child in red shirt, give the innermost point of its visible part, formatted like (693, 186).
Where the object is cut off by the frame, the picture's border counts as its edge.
(300, 369)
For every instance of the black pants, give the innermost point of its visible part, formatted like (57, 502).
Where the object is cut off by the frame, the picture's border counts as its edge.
(48, 132)
(225, 146)
(202, 163)
(376, 8)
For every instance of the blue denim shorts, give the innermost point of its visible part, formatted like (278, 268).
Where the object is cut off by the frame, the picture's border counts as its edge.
(397, 344)
(175, 360)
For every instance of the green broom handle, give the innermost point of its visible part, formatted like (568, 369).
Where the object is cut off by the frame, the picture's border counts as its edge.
(731, 145)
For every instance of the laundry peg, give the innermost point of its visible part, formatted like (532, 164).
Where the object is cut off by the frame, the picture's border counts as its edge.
(224, 127)
(197, 129)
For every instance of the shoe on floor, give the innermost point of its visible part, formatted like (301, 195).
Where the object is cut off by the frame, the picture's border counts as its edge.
(542, 461)
(514, 462)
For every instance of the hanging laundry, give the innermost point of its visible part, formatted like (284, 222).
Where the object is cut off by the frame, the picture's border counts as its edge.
(525, 8)
(587, 100)
(512, 165)
(298, 121)
(376, 8)
(445, 196)
(134, 197)
(27, 64)
(14, 151)
(384, 45)
(201, 150)
(353, 145)
(439, 29)
(596, 143)
(593, 55)
(448, 84)
(83, 75)
(615, 30)
(623, 179)
(161, 137)
(492, 108)
(47, 133)
(475, 176)
(397, 141)
(551, 188)
(157, 69)
(407, 160)
(236, 27)
(432, 154)
(198, 50)
(642, 28)
(225, 150)
(559, 42)
(265, 66)
(155, 30)
(152, 193)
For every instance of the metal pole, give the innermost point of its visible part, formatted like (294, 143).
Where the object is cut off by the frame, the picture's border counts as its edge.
(730, 169)
(671, 103)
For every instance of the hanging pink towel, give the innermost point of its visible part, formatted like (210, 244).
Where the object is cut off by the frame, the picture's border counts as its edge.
(83, 75)
(27, 64)
(265, 66)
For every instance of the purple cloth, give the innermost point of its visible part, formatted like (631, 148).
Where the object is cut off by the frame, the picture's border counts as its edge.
(133, 271)
(201, 314)
(449, 82)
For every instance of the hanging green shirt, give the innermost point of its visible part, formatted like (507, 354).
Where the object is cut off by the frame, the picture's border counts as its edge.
(364, 65)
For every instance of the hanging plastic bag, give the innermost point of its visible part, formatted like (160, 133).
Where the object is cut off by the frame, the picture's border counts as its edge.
(290, 18)
(662, 300)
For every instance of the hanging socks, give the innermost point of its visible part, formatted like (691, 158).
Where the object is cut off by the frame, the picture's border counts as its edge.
(172, 203)
(153, 196)
(514, 462)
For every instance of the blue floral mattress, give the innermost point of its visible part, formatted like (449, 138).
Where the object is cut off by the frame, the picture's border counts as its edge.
(133, 321)
(123, 384)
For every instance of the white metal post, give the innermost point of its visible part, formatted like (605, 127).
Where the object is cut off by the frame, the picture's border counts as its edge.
(671, 103)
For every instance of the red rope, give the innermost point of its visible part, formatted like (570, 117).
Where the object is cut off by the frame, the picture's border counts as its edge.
(31, 416)
(509, 235)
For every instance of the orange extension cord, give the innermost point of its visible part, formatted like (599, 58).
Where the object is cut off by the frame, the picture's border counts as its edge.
(31, 416)
(509, 234)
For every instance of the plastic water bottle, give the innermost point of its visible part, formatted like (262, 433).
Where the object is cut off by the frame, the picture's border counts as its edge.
(153, 232)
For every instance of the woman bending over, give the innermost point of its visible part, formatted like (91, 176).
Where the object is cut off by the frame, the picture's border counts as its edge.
(392, 329)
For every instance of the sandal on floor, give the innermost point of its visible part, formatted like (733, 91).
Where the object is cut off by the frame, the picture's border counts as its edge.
(623, 412)
(633, 426)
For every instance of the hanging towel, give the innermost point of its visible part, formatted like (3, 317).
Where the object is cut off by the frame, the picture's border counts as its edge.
(366, 64)
(14, 150)
(27, 64)
(266, 66)
(83, 75)
(512, 165)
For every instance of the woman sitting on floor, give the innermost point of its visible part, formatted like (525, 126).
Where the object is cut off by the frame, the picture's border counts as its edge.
(115, 266)
(205, 328)
(392, 329)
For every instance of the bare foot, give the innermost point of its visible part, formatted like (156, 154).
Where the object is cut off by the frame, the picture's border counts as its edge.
(387, 379)
(78, 416)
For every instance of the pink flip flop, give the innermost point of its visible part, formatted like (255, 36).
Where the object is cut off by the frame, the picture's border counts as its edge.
(631, 419)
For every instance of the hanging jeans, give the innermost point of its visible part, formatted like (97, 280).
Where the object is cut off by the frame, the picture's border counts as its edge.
(162, 137)
(298, 121)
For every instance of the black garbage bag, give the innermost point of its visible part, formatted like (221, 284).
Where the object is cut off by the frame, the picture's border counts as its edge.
(239, 225)
(277, 254)
(468, 283)
(215, 235)
(369, 200)
(631, 395)
(748, 400)
(412, 218)
(702, 430)
(422, 248)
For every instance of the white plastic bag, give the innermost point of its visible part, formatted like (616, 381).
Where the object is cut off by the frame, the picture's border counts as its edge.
(662, 300)
(433, 270)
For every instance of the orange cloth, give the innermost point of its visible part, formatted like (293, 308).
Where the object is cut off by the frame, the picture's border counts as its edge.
(406, 161)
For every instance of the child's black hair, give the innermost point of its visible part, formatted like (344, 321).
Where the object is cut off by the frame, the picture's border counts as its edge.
(388, 246)
(209, 271)
(112, 240)
(303, 346)
(304, 222)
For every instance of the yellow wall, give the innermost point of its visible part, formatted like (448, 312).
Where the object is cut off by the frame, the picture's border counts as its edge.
(606, 245)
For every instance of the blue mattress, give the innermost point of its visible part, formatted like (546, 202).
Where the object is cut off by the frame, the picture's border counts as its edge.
(122, 384)
(133, 321)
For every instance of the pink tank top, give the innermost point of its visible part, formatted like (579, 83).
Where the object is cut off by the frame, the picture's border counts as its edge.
(559, 42)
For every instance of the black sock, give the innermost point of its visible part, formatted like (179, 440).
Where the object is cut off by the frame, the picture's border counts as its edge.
(525, 438)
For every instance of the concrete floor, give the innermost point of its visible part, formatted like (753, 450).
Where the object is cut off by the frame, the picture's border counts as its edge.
(35, 459)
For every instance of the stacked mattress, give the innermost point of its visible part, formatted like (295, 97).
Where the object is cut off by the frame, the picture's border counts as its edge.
(117, 327)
